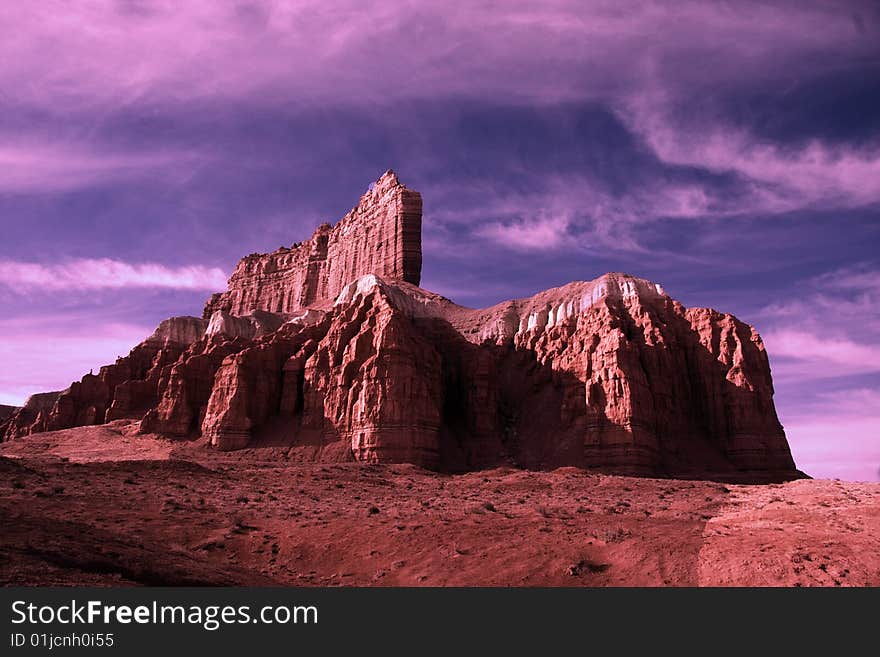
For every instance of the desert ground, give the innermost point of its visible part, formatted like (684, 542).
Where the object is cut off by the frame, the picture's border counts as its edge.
(104, 506)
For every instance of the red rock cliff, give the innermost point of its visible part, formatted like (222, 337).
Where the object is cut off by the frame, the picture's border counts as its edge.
(381, 235)
(305, 353)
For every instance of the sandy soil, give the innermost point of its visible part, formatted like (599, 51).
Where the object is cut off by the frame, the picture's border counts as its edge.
(100, 505)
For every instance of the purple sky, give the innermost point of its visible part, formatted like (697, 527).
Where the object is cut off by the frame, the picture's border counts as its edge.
(730, 151)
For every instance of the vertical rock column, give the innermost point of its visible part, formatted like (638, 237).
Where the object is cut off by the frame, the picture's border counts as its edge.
(408, 263)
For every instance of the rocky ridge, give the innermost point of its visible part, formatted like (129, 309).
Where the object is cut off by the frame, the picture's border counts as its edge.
(7, 411)
(330, 350)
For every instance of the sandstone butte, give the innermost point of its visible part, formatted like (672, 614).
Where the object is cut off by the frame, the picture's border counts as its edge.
(330, 349)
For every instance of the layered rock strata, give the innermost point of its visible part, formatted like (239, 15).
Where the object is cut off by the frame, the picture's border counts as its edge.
(380, 235)
(611, 373)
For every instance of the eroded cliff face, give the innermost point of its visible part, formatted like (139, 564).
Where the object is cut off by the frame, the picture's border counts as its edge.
(659, 386)
(381, 235)
(610, 373)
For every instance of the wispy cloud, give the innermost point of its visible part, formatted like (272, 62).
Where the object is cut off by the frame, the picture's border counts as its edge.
(104, 273)
(840, 303)
(130, 50)
(824, 348)
(574, 211)
(98, 57)
(862, 279)
(538, 233)
(830, 329)
(39, 166)
(801, 355)
(781, 179)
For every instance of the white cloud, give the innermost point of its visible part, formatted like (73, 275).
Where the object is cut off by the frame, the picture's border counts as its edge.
(104, 273)
(859, 279)
(58, 167)
(781, 179)
(563, 211)
(540, 233)
(797, 354)
(831, 329)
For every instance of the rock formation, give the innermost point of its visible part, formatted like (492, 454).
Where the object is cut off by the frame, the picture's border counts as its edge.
(128, 388)
(7, 411)
(332, 350)
(381, 235)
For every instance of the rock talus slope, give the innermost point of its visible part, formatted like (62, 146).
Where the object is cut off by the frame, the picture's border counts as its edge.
(331, 350)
